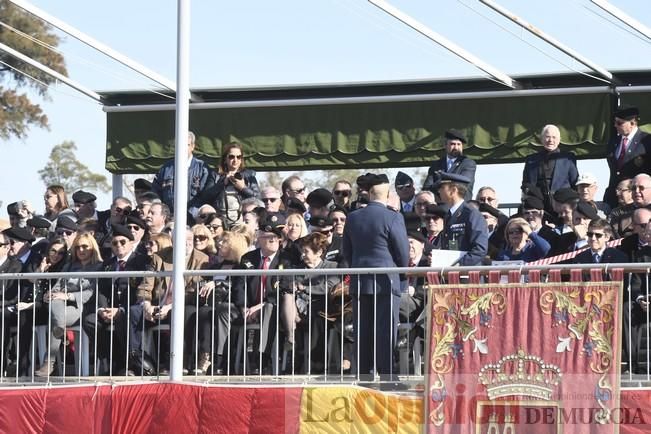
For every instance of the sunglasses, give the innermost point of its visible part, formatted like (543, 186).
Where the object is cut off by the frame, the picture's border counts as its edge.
(486, 199)
(215, 227)
(269, 199)
(134, 227)
(82, 247)
(598, 235)
(422, 204)
(200, 238)
(515, 231)
(12, 242)
(116, 243)
(344, 193)
(64, 232)
(203, 216)
(298, 191)
(234, 157)
(5, 244)
(432, 217)
(151, 244)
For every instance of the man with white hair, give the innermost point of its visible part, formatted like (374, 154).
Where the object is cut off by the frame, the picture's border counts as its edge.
(270, 196)
(642, 190)
(550, 169)
(587, 188)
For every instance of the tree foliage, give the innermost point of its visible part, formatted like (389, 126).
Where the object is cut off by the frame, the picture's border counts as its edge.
(37, 41)
(64, 169)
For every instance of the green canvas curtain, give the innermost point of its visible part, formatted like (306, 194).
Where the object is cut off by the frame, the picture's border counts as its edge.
(391, 134)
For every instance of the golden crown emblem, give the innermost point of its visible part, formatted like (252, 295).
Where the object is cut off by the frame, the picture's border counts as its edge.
(520, 374)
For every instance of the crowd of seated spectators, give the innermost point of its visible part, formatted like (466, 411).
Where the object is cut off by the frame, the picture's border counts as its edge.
(235, 224)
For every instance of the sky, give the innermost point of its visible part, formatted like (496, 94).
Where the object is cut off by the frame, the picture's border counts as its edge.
(258, 42)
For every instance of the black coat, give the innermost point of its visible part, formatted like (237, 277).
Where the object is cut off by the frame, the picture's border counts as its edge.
(245, 288)
(462, 166)
(636, 161)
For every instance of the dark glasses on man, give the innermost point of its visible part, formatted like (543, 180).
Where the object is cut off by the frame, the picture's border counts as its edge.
(116, 243)
(269, 199)
(598, 235)
(65, 232)
(343, 193)
(134, 228)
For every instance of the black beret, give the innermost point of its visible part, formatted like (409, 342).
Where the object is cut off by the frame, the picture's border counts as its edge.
(433, 209)
(565, 195)
(532, 190)
(319, 197)
(149, 196)
(373, 179)
(142, 184)
(362, 181)
(273, 223)
(39, 222)
(417, 235)
(587, 210)
(412, 221)
(627, 113)
(21, 234)
(484, 207)
(403, 179)
(12, 208)
(66, 223)
(135, 220)
(295, 206)
(455, 135)
(532, 202)
(121, 230)
(320, 222)
(338, 208)
(82, 196)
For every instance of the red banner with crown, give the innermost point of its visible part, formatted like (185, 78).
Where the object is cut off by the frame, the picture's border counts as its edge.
(506, 358)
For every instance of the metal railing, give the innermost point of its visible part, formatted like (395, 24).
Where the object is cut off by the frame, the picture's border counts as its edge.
(307, 330)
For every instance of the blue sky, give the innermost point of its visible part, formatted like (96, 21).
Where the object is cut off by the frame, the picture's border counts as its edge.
(258, 42)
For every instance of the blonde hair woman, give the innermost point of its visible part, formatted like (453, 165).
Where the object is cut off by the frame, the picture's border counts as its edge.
(65, 301)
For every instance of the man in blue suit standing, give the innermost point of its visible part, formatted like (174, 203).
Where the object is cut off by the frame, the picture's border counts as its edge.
(376, 237)
(550, 169)
(454, 162)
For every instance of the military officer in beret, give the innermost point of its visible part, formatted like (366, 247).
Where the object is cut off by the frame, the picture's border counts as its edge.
(375, 236)
(465, 227)
(319, 201)
(405, 188)
(454, 162)
(629, 153)
(84, 205)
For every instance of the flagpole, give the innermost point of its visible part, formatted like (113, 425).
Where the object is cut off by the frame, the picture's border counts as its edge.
(181, 163)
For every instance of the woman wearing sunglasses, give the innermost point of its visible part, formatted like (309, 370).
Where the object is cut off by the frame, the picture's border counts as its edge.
(66, 299)
(233, 184)
(523, 244)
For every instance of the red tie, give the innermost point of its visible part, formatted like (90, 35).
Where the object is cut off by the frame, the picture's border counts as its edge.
(622, 153)
(122, 265)
(263, 279)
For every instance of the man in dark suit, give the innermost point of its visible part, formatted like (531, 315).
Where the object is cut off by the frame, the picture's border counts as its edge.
(114, 298)
(405, 188)
(376, 237)
(629, 153)
(599, 233)
(256, 297)
(550, 169)
(465, 227)
(454, 162)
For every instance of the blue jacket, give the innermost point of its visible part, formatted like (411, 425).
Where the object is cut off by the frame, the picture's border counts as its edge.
(535, 249)
(466, 230)
(198, 180)
(375, 237)
(565, 173)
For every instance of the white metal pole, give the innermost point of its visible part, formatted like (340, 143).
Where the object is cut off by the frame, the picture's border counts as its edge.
(181, 163)
(102, 48)
(118, 185)
(623, 17)
(444, 42)
(547, 38)
(51, 72)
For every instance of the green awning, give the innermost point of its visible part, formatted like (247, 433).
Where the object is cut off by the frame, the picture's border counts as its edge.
(383, 134)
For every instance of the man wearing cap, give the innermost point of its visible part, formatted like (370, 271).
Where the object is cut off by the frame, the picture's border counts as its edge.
(199, 178)
(465, 228)
(114, 298)
(255, 297)
(550, 169)
(533, 211)
(434, 221)
(376, 237)
(67, 229)
(628, 153)
(141, 186)
(454, 162)
(405, 188)
(19, 213)
(84, 205)
(565, 200)
(495, 223)
(319, 201)
(586, 186)
(582, 215)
